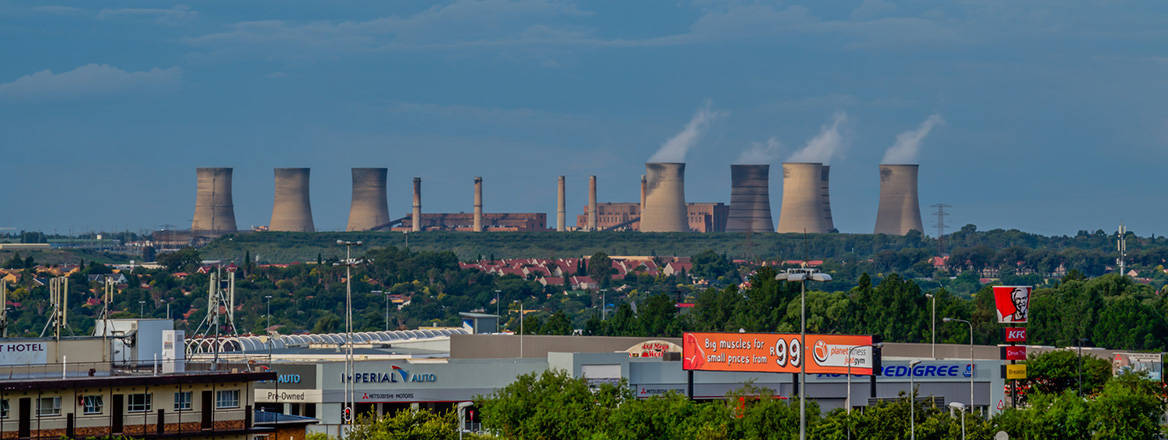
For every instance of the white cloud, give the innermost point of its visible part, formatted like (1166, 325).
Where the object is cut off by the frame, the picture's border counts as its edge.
(90, 79)
(173, 14)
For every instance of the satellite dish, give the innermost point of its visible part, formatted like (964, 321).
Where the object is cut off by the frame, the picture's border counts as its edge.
(1001, 435)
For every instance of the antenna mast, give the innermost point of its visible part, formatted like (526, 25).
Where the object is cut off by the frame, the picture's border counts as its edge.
(220, 304)
(3, 309)
(1121, 246)
(59, 306)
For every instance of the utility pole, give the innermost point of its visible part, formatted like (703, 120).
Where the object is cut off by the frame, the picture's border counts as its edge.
(1121, 246)
(349, 387)
(941, 213)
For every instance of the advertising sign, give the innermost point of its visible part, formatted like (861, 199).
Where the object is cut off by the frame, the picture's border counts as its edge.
(1016, 371)
(776, 353)
(652, 349)
(1149, 363)
(1015, 353)
(1015, 334)
(23, 353)
(1013, 303)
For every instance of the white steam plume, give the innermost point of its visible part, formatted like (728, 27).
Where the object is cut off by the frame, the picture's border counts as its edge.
(760, 153)
(908, 143)
(675, 148)
(824, 145)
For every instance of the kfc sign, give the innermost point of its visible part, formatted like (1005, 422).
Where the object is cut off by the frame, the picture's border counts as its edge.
(1013, 303)
(1015, 334)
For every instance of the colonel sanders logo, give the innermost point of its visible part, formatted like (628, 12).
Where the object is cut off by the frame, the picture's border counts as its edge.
(1013, 303)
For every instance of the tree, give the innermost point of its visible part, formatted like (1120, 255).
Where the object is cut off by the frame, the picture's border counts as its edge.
(557, 324)
(1058, 371)
(407, 425)
(600, 269)
(183, 260)
(551, 405)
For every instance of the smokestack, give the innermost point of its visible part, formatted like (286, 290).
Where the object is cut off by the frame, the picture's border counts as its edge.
(665, 209)
(416, 214)
(643, 185)
(900, 209)
(561, 210)
(592, 220)
(803, 203)
(291, 210)
(370, 207)
(214, 211)
(750, 200)
(825, 194)
(478, 204)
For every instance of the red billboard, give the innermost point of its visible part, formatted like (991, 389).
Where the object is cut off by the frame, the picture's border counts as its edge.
(776, 353)
(1016, 353)
(1012, 303)
(1015, 334)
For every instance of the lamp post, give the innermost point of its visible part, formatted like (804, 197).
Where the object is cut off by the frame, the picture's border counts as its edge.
(961, 408)
(801, 275)
(141, 304)
(497, 291)
(268, 328)
(850, 362)
(603, 305)
(912, 401)
(347, 414)
(933, 321)
(1081, 342)
(520, 328)
(971, 372)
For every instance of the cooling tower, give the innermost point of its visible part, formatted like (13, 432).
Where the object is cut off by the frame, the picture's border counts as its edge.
(825, 193)
(750, 200)
(369, 208)
(214, 211)
(592, 214)
(478, 204)
(290, 209)
(416, 214)
(900, 209)
(664, 209)
(803, 199)
(561, 210)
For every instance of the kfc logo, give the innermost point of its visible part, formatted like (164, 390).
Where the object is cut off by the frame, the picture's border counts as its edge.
(1013, 303)
(1015, 334)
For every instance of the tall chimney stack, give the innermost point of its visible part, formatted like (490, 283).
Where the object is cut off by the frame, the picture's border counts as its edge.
(369, 208)
(561, 210)
(416, 214)
(478, 204)
(214, 211)
(665, 209)
(825, 195)
(900, 209)
(750, 200)
(291, 210)
(803, 205)
(643, 186)
(592, 220)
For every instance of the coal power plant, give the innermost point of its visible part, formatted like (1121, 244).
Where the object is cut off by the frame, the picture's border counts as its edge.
(214, 211)
(369, 208)
(899, 210)
(291, 210)
(750, 200)
(804, 199)
(825, 195)
(665, 208)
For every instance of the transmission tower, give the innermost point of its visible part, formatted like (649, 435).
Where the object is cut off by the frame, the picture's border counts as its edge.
(941, 213)
(220, 308)
(1121, 246)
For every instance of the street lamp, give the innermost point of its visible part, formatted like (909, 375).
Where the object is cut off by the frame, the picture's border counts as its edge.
(912, 401)
(933, 320)
(1081, 342)
(958, 406)
(603, 305)
(520, 328)
(141, 304)
(850, 362)
(497, 291)
(268, 328)
(802, 274)
(349, 397)
(970, 324)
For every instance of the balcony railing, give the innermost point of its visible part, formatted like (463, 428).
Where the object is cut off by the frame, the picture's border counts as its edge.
(73, 370)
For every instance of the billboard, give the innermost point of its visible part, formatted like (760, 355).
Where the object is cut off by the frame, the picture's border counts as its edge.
(776, 353)
(1013, 303)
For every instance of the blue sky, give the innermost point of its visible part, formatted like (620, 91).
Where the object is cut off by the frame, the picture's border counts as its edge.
(1049, 115)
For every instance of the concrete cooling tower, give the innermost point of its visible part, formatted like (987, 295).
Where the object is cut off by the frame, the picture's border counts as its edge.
(825, 193)
(369, 208)
(291, 210)
(900, 209)
(750, 201)
(804, 200)
(664, 209)
(214, 211)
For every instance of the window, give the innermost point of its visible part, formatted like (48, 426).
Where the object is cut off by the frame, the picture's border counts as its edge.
(4, 409)
(138, 402)
(92, 404)
(49, 406)
(227, 399)
(182, 401)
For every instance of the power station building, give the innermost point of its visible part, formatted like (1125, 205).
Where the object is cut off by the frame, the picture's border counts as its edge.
(625, 216)
(508, 221)
(899, 210)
